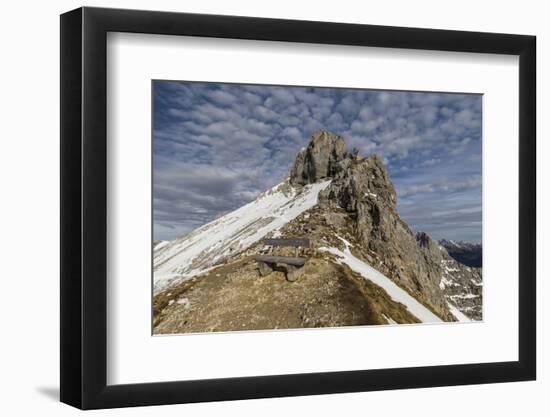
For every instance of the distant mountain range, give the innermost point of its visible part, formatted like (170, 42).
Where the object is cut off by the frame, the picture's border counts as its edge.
(364, 265)
(470, 254)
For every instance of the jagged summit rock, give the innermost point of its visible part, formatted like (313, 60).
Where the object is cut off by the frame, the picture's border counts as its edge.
(324, 156)
(361, 180)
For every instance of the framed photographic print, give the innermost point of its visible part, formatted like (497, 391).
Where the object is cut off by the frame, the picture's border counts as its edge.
(257, 208)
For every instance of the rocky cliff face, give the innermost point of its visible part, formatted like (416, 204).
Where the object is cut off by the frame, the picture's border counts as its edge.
(462, 286)
(363, 188)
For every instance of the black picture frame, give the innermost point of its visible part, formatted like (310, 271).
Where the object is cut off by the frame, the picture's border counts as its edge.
(84, 207)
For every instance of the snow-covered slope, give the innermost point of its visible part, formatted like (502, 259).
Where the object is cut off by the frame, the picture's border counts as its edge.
(457, 313)
(394, 291)
(232, 233)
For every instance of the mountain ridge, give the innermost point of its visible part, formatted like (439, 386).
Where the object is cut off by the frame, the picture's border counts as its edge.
(467, 253)
(332, 196)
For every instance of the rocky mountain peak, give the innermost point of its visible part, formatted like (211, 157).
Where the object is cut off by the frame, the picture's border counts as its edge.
(354, 178)
(323, 157)
(363, 189)
(347, 206)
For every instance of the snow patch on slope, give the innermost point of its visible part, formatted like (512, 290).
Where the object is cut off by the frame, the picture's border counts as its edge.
(394, 291)
(161, 244)
(461, 291)
(461, 317)
(232, 233)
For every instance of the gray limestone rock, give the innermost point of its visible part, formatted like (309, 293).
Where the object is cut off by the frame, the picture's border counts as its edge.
(324, 157)
(363, 188)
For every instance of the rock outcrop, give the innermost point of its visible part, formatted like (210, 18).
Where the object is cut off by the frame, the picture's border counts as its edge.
(462, 285)
(363, 188)
(324, 157)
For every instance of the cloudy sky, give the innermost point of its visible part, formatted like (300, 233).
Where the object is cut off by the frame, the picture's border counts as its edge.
(216, 146)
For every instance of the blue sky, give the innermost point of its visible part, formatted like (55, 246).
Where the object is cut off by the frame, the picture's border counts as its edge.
(216, 146)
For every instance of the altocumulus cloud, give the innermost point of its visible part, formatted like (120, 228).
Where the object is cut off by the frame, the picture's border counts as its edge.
(216, 146)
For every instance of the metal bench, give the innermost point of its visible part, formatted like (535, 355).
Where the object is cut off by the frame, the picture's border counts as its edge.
(292, 266)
